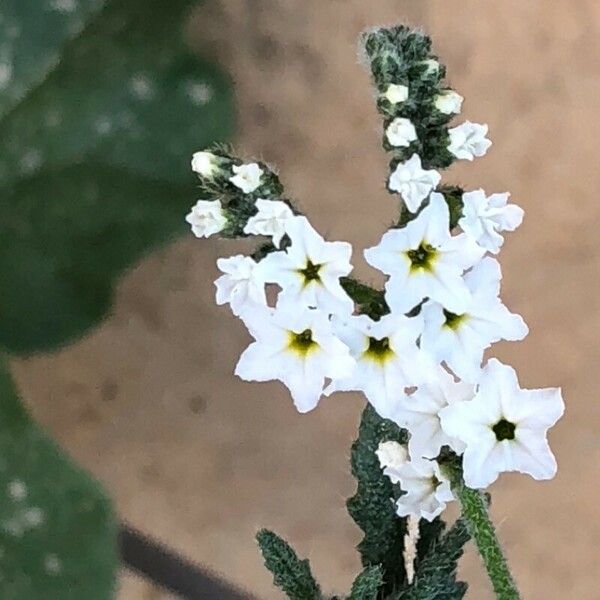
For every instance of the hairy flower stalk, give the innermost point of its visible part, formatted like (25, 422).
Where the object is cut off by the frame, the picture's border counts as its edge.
(440, 424)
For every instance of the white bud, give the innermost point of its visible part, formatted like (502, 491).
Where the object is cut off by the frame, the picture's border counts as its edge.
(449, 102)
(431, 64)
(401, 132)
(396, 93)
(204, 163)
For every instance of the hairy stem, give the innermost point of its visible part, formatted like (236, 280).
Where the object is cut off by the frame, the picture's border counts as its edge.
(475, 513)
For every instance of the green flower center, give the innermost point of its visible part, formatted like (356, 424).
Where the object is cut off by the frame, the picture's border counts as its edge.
(504, 430)
(453, 320)
(379, 350)
(310, 272)
(422, 258)
(302, 343)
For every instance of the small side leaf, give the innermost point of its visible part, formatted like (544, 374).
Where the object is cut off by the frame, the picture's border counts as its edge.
(366, 586)
(290, 573)
(372, 506)
(57, 529)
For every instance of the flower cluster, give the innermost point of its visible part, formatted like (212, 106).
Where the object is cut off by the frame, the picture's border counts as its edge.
(418, 358)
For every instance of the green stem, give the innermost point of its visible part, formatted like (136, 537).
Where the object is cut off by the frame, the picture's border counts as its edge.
(475, 513)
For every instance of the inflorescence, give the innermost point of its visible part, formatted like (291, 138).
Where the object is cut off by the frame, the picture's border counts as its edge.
(416, 349)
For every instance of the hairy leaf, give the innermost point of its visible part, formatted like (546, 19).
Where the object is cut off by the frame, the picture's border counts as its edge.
(290, 573)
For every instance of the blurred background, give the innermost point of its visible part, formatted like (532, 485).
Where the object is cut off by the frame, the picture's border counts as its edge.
(147, 401)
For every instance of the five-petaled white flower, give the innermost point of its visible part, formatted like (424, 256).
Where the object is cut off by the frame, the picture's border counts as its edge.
(295, 346)
(401, 132)
(239, 286)
(483, 218)
(270, 220)
(460, 339)
(425, 261)
(396, 93)
(247, 177)
(413, 182)
(388, 359)
(206, 218)
(449, 102)
(468, 140)
(419, 413)
(204, 163)
(427, 489)
(504, 427)
(309, 270)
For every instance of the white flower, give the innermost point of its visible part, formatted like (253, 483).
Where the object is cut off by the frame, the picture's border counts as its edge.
(204, 163)
(425, 261)
(309, 271)
(427, 489)
(413, 182)
(206, 218)
(468, 140)
(460, 339)
(247, 177)
(388, 359)
(270, 219)
(504, 427)
(419, 413)
(484, 217)
(296, 347)
(239, 286)
(449, 102)
(396, 93)
(392, 456)
(401, 132)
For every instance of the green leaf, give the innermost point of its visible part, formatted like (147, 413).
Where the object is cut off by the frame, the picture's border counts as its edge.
(372, 506)
(290, 573)
(366, 586)
(95, 156)
(435, 577)
(57, 529)
(32, 35)
(58, 263)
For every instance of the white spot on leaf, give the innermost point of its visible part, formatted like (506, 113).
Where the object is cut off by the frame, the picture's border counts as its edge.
(64, 6)
(17, 490)
(141, 87)
(52, 564)
(200, 93)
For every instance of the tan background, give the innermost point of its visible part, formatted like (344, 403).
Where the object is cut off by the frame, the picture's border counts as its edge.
(147, 402)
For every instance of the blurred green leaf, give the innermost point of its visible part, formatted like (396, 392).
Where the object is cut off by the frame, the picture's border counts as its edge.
(58, 260)
(57, 529)
(94, 156)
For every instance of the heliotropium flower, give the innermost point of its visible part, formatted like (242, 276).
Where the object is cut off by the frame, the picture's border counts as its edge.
(425, 261)
(206, 218)
(247, 177)
(427, 490)
(419, 413)
(239, 285)
(309, 270)
(413, 182)
(504, 427)
(468, 140)
(297, 347)
(484, 217)
(388, 359)
(460, 339)
(400, 132)
(270, 219)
